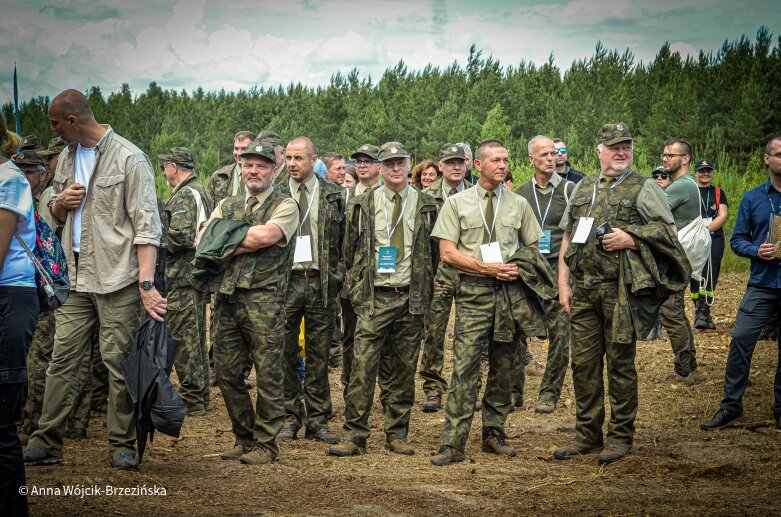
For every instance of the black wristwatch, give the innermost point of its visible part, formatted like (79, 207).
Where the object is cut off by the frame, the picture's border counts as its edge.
(146, 285)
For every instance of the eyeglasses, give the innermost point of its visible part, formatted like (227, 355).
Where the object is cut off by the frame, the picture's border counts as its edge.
(667, 156)
(365, 162)
(663, 175)
(561, 150)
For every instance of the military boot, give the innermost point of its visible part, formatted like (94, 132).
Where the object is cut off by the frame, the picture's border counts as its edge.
(257, 456)
(237, 452)
(431, 404)
(709, 323)
(446, 456)
(496, 444)
(700, 321)
(397, 446)
(344, 449)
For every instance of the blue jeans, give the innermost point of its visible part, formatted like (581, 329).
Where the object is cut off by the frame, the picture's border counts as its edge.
(759, 306)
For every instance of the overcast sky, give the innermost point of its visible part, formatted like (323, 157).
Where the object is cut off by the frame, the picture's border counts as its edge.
(245, 43)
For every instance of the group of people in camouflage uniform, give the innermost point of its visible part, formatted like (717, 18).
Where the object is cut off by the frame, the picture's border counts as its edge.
(582, 260)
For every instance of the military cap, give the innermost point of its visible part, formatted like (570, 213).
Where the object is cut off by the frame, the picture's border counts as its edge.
(269, 137)
(369, 150)
(451, 152)
(56, 145)
(264, 149)
(613, 133)
(703, 164)
(391, 150)
(181, 156)
(31, 142)
(29, 157)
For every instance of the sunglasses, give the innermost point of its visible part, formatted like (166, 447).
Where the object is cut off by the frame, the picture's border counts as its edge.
(662, 175)
(561, 150)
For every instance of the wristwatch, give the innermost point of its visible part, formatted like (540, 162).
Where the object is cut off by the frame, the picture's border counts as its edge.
(146, 285)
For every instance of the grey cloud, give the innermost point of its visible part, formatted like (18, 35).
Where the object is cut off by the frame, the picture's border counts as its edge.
(81, 10)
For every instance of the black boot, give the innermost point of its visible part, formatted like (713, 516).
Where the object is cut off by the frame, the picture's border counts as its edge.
(700, 321)
(709, 323)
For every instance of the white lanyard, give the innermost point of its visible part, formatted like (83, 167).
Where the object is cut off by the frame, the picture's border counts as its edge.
(482, 213)
(385, 210)
(543, 217)
(309, 205)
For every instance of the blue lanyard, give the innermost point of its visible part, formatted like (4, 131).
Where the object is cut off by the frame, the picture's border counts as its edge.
(772, 206)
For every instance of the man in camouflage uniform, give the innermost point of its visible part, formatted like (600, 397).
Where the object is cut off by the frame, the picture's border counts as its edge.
(185, 210)
(389, 262)
(452, 164)
(591, 291)
(548, 194)
(311, 292)
(226, 181)
(249, 312)
(478, 230)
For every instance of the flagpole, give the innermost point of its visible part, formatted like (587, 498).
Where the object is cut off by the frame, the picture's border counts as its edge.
(16, 103)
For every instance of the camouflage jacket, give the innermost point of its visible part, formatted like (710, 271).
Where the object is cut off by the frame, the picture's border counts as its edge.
(266, 270)
(435, 191)
(282, 179)
(330, 235)
(360, 259)
(183, 215)
(220, 184)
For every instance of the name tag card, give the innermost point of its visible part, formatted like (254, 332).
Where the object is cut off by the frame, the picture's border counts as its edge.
(544, 242)
(303, 252)
(491, 253)
(386, 259)
(583, 230)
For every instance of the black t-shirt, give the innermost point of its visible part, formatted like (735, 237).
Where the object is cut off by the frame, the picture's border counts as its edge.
(709, 205)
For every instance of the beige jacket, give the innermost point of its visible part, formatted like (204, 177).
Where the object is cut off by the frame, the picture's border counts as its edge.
(120, 211)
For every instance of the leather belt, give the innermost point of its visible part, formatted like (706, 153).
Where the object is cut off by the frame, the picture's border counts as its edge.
(385, 289)
(308, 272)
(478, 280)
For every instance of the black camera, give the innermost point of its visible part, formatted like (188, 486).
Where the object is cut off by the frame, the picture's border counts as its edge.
(602, 229)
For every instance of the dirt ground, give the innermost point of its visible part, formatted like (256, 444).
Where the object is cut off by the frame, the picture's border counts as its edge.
(677, 469)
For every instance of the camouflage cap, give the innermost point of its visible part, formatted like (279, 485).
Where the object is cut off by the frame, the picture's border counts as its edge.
(391, 150)
(31, 143)
(451, 152)
(28, 157)
(658, 169)
(181, 156)
(703, 164)
(613, 133)
(56, 145)
(269, 137)
(369, 150)
(264, 149)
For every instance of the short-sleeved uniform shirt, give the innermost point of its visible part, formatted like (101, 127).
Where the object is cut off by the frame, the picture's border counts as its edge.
(285, 215)
(461, 221)
(313, 203)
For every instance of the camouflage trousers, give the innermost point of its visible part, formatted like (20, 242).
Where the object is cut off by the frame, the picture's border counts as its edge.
(557, 324)
(185, 320)
(250, 330)
(591, 320)
(304, 299)
(38, 359)
(673, 316)
(349, 321)
(387, 339)
(433, 357)
(475, 305)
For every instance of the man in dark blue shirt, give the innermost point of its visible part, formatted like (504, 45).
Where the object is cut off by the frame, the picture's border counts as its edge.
(752, 239)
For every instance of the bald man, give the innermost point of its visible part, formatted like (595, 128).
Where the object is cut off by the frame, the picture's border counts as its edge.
(105, 204)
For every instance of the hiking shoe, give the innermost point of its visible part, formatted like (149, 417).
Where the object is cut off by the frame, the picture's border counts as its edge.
(322, 435)
(287, 434)
(697, 377)
(257, 456)
(446, 456)
(36, 456)
(615, 451)
(720, 420)
(575, 449)
(534, 369)
(545, 407)
(344, 449)
(498, 445)
(237, 452)
(432, 403)
(124, 461)
(399, 447)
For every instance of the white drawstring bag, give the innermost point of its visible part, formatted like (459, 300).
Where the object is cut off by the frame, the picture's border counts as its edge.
(696, 242)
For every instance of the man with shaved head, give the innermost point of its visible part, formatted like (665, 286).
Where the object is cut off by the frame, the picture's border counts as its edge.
(106, 206)
(311, 292)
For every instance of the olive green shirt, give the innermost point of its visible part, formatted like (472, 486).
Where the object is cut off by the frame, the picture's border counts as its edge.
(460, 221)
(237, 185)
(285, 215)
(383, 203)
(446, 188)
(311, 219)
(684, 198)
(651, 202)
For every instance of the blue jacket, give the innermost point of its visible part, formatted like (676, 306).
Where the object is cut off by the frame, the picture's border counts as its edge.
(752, 226)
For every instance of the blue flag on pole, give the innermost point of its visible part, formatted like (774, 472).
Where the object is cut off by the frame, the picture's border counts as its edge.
(16, 104)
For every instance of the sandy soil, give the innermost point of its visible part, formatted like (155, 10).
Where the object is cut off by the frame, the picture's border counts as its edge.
(678, 469)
